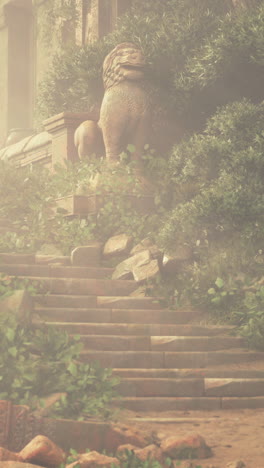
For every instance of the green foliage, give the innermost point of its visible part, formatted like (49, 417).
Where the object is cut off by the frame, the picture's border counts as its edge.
(30, 219)
(218, 179)
(218, 211)
(200, 55)
(35, 362)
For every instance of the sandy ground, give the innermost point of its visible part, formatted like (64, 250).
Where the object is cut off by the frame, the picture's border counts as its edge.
(233, 435)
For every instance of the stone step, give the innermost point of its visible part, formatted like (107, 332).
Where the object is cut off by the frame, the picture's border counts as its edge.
(159, 404)
(158, 343)
(81, 301)
(210, 373)
(125, 329)
(96, 314)
(55, 271)
(163, 359)
(196, 387)
(31, 259)
(92, 287)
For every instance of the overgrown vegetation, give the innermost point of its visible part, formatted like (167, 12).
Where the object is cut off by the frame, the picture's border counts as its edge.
(33, 219)
(218, 199)
(36, 361)
(201, 52)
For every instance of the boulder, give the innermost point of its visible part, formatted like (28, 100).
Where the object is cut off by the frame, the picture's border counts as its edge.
(151, 452)
(122, 434)
(117, 245)
(124, 270)
(123, 448)
(147, 244)
(193, 446)
(43, 451)
(145, 272)
(93, 460)
(6, 455)
(86, 255)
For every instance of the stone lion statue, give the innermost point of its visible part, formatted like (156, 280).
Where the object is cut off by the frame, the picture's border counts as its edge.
(126, 114)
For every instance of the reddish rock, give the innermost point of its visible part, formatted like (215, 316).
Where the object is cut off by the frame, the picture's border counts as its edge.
(93, 460)
(193, 446)
(151, 452)
(121, 434)
(6, 455)
(43, 451)
(124, 447)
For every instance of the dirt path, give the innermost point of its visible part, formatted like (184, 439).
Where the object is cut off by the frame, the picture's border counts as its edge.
(233, 435)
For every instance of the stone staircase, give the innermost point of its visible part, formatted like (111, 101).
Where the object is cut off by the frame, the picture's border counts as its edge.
(165, 360)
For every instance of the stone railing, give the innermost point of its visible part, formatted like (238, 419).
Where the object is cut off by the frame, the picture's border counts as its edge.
(51, 147)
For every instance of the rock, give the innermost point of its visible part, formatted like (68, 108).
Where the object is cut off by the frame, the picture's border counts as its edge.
(236, 464)
(121, 434)
(47, 404)
(147, 244)
(193, 446)
(122, 448)
(94, 459)
(6, 455)
(20, 302)
(17, 464)
(43, 451)
(117, 245)
(145, 272)
(151, 452)
(124, 269)
(49, 249)
(86, 255)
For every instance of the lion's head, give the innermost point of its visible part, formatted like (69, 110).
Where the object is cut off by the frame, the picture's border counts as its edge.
(125, 62)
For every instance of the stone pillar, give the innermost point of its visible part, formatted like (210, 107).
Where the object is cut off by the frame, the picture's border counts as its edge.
(3, 76)
(16, 64)
(62, 128)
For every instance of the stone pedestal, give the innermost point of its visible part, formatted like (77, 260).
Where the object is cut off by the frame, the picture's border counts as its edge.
(62, 128)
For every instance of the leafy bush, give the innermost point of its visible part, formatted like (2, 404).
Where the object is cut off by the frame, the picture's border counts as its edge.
(74, 81)
(38, 361)
(219, 201)
(200, 56)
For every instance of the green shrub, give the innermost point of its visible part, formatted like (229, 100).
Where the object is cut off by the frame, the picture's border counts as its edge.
(38, 361)
(218, 210)
(74, 81)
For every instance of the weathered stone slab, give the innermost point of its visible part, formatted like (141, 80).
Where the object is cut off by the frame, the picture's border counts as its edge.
(125, 269)
(86, 255)
(41, 450)
(147, 271)
(118, 245)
